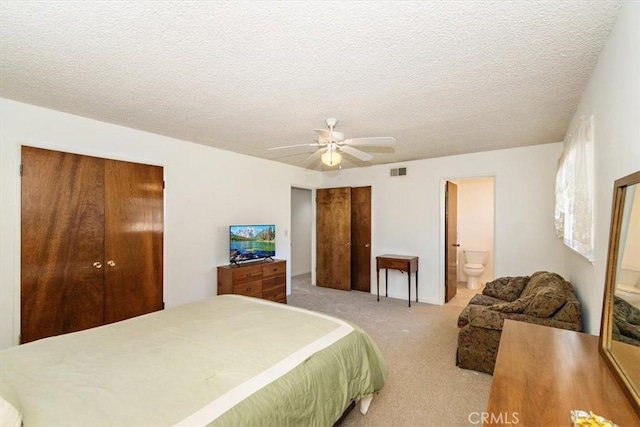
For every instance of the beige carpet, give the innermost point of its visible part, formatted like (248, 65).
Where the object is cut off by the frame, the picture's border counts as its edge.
(424, 386)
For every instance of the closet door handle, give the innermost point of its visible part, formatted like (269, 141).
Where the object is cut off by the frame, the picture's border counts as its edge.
(97, 264)
(111, 263)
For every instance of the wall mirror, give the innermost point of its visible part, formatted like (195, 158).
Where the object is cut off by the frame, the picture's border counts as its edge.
(620, 330)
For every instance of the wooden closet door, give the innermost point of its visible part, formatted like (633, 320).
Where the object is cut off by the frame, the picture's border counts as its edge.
(333, 238)
(361, 239)
(133, 245)
(62, 239)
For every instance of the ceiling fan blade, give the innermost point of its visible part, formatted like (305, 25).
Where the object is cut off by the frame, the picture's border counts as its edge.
(312, 158)
(371, 141)
(313, 144)
(365, 157)
(324, 133)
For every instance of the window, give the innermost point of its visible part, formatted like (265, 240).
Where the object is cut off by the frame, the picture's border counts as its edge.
(574, 190)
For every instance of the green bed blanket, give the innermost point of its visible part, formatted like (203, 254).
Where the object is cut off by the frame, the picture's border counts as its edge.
(227, 360)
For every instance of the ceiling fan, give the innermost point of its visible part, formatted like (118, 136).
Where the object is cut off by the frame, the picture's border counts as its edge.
(332, 143)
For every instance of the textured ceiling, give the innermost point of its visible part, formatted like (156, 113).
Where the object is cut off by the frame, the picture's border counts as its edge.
(443, 78)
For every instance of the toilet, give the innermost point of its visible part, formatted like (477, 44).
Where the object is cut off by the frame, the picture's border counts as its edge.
(474, 267)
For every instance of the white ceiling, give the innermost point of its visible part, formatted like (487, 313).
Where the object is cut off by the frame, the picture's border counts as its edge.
(442, 77)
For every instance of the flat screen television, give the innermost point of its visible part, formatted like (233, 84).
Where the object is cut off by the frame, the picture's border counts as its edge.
(251, 242)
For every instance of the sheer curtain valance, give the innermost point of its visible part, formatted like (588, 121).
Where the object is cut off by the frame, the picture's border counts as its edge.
(574, 190)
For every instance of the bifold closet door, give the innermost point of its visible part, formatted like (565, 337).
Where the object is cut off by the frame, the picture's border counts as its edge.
(62, 243)
(133, 245)
(343, 238)
(92, 237)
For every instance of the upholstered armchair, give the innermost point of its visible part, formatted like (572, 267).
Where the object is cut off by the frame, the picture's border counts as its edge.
(543, 298)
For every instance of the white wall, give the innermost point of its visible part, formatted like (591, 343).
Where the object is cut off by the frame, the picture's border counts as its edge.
(475, 222)
(302, 218)
(612, 96)
(408, 212)
(206, 190)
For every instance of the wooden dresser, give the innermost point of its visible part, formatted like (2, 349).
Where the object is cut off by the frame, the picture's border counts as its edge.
(261, 279)
(543, 373)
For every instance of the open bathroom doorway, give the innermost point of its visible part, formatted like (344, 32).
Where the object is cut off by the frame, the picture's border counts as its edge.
(468, 235)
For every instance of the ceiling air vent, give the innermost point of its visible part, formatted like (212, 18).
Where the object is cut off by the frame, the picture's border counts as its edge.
(399, 172)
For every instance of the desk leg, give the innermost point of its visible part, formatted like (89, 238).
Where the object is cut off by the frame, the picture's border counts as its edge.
(409, 285)
(378, 281)
(416, 285)
(386, 283)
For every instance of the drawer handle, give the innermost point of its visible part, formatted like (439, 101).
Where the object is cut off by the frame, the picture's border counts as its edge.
(248, 289)
(248, 274)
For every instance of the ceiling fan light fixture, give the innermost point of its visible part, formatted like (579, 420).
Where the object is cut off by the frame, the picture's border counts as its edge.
(330, 142)
(331, 158)
(331, 122)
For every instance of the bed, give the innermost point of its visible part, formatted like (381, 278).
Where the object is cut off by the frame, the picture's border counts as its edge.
(226, 360)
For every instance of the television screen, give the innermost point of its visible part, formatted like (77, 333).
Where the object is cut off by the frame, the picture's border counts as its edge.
(249, 242)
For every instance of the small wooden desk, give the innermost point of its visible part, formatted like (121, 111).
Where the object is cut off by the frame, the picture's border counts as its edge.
(408, 264)
(543, 373)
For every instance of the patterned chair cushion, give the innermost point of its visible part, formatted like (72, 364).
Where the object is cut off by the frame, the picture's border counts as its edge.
(485, 300)
(546, 302)
(627, 329)
(634, 317)
(571, 311)
(541, 279)
(486, 318)
(625, 311)
(506, 288)
(626, 318)
(517, 306)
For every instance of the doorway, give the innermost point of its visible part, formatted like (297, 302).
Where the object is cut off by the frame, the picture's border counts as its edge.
(474, 230)
(301, 231)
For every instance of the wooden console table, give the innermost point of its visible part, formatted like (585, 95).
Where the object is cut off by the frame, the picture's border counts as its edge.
(543, 373)
(408, 264)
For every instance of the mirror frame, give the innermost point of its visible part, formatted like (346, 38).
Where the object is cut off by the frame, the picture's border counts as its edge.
(619, 193)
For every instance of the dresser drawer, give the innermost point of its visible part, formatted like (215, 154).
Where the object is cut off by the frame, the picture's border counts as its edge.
(393, 264)
(274, 269)
(247, 274)
(250, 289)
(274, 282)
(276, 294)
